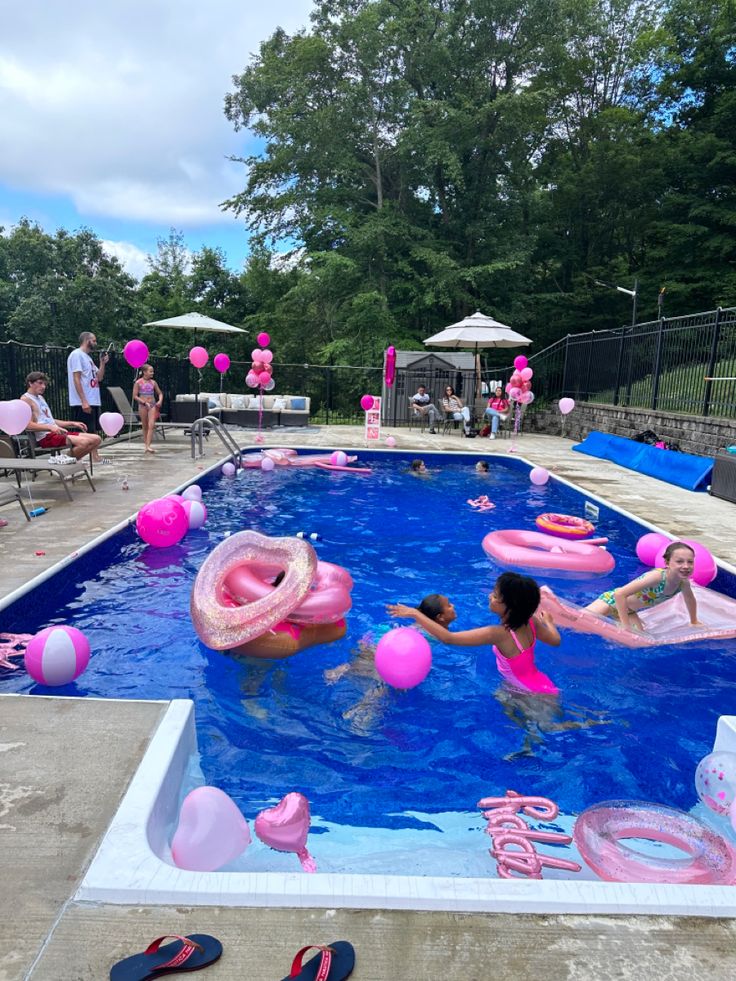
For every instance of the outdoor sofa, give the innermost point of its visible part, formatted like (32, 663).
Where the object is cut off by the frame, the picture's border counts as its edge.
(243, 410)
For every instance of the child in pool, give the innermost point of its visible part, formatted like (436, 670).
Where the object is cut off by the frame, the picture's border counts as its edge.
(418, 468)
(515, 599)
(651, 589)
(481, 466)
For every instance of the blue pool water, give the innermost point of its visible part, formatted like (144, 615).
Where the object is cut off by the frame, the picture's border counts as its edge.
(630, 724)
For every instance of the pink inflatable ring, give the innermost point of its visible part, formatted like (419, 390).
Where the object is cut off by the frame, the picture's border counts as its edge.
(599, 831)
(532, 550)
(565, 526)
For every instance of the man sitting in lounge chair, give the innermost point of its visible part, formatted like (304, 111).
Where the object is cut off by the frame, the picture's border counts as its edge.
(422, 405)
(53, 433)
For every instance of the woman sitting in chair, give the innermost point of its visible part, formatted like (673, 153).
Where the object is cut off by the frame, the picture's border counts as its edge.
(498, 409)
(454, 408)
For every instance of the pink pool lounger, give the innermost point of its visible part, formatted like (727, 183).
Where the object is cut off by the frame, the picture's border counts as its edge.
(665, 624)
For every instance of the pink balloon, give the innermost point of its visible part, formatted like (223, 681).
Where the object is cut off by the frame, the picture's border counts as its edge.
(264, 378)
(256, 354)
(199, 357)
(251, 379)
(525, 398)
(267, 464)
(57, 655)
(14, 416)
(135, 353)
(566, 406)
(221, 363)
(515, 393)
(196, 513)
(648, 546)
(390, 442)
(520, 362)
(538, 476)
(339, 459)
(403, 657)
(516, 379)
(162, 522)
(111, 423)
(267, 357)
(211, 831)
(263, 339)
(285, 827)
(192, 493)
(526, 386)
(269, 386)
(366, 402)
(228, 469)
(526, 374)
(705, 568)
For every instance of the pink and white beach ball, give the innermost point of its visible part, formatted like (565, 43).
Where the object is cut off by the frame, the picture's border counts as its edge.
(196, 513)
(192, 493)
(57, 655)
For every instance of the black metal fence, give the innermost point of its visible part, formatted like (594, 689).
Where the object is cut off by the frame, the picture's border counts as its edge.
(677, 364)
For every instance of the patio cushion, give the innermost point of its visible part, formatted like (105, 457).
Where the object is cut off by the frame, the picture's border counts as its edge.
(298, 404)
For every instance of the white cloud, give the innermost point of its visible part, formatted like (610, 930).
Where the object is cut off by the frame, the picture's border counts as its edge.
(120, 106)
(132, 259)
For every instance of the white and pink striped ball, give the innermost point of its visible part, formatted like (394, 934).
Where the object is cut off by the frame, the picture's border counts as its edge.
(196, 513)
(57, 655)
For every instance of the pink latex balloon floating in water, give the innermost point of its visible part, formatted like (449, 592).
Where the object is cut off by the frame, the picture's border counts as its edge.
(211, 831)
(285, 827)
(263, 339)
(366, 402)
(221, 363)
(111, 423)
(135, 353)
(14, 416)
(267, 464)
(403, 657)
(199, 357)
(648, 546)
(566, 406)
(228, 469)
(538, 476)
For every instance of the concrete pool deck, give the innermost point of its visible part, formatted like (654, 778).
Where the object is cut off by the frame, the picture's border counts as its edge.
(65, 764)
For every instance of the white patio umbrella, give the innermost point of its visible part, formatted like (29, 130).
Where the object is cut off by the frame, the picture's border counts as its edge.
(477, 331)
(195, 322)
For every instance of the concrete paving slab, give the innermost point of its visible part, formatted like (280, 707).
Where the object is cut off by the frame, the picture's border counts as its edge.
(65, 764)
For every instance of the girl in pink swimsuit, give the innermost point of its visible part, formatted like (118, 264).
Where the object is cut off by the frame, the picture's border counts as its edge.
(515, 599)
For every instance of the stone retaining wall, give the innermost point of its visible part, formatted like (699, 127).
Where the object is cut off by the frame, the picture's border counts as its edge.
(703, 436)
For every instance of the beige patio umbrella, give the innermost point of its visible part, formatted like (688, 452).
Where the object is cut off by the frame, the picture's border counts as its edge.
(477, 331)
(195, 322)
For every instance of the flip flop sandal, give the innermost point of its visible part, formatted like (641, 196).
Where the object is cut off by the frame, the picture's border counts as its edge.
(335, 963)
(186, 954)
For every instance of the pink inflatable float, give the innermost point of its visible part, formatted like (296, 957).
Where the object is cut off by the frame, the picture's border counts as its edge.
(288, 457)
(533, 550)
(665, 624)
(600, 830)
(237, 605)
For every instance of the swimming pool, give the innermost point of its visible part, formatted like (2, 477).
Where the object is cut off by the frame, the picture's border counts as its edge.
(396, 769)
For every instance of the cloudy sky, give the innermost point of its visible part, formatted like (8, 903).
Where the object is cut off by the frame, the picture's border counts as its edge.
(111, 116)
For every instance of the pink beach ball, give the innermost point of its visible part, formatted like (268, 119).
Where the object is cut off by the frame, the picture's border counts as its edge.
(57, 655)
(196, 513)
(403, 657)
(192, 493)
(162, 523)
(339, 459)
(715, 781)
(538, 476)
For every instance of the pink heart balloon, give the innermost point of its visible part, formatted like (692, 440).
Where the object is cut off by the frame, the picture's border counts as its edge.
(211, 831)
(285, 827)
(14, 416)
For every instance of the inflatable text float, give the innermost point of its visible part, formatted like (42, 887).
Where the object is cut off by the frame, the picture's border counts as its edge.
(237, 605)
(668, 623)
(287, 457)
(533, 550)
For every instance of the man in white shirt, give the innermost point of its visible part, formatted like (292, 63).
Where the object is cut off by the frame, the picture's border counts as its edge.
(53, 434)
(84, 381)
(423, 405)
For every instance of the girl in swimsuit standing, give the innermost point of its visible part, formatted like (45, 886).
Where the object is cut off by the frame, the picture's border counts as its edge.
(515, 599)
(651, 589)
(150, 399)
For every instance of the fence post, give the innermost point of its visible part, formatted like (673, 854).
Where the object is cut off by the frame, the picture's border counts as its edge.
(564, 366)
(328, 394)
(657, 363)
(588, 370)
(712, 361)
(619, 366)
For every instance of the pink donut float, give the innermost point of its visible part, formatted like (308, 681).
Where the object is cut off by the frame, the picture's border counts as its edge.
(599, 831)
(220, 624)
(327, 601)
(533, 550)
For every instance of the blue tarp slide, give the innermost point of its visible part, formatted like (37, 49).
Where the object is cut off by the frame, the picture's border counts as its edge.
(682, 469)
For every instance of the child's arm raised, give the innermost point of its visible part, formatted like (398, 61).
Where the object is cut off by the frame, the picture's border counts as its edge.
(462, 638)
(691, 604)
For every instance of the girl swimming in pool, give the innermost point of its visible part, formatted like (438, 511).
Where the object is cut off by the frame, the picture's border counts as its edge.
(651, 589)
(515, 599)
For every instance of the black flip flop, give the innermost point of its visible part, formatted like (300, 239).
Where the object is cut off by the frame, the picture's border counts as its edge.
(190, 953)
(334, 963)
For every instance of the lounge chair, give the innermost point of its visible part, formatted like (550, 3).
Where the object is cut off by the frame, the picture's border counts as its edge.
(9, 494)
(64, 471)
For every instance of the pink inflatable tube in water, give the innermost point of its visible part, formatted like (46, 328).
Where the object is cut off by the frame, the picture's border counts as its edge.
(668, 623)
(533, 550)
(327, 601)
(600, 830)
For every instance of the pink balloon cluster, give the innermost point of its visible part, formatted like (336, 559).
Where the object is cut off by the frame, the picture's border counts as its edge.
(261, 369)
(212, 832)
(519, 387)
(651, 547)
